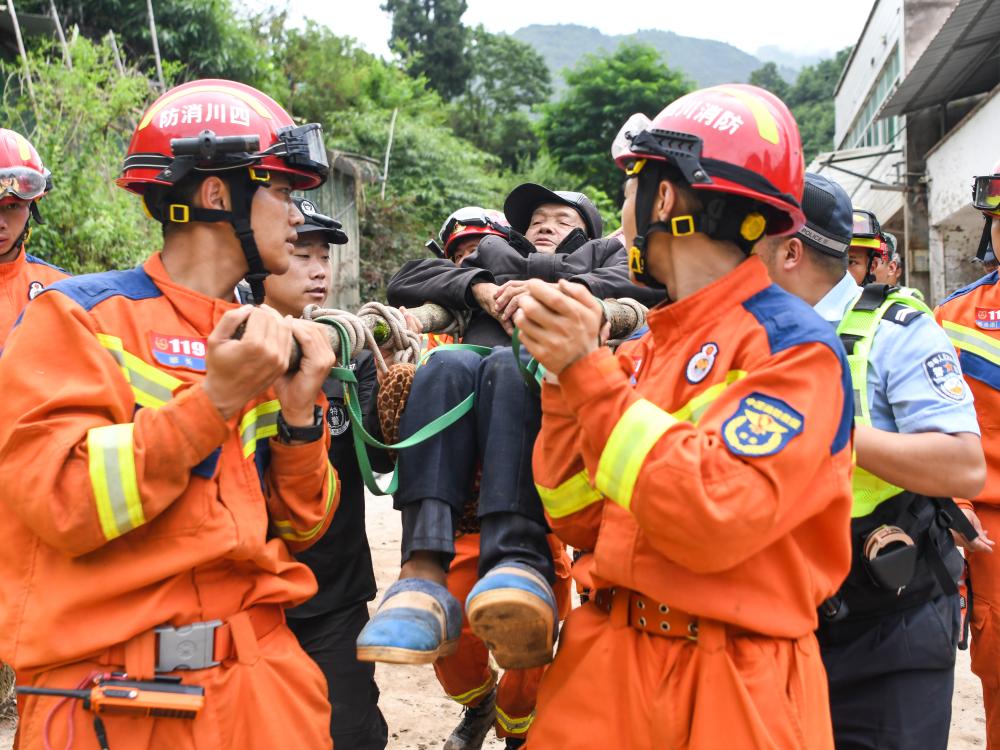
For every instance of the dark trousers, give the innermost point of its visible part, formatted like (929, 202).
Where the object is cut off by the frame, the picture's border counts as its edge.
(500, 432)
(891, 683)
(356, 723)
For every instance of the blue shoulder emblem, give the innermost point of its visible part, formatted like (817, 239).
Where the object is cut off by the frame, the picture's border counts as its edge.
(761, 426)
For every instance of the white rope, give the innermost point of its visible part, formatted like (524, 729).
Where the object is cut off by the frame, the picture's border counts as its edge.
(404, 342)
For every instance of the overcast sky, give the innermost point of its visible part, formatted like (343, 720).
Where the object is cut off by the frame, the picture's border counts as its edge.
(801, 26)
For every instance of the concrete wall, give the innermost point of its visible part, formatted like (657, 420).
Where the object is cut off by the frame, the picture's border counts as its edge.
(338, 198)
(970, 148)
(884, 29)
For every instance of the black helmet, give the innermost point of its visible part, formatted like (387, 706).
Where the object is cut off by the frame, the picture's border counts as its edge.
(524, 199)
(317, 222)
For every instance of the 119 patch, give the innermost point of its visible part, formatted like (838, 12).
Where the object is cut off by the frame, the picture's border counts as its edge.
(944, 376)
(187, 352)
(761, 426)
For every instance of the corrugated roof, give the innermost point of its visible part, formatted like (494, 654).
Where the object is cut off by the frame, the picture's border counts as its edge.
(963, 59)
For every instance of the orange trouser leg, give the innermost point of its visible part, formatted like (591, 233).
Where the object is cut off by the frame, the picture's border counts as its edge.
(465, 675)
(984, 571)
(276, 699)
(613, 686)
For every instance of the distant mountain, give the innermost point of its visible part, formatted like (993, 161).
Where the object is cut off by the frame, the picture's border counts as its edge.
(705, 61)
(789, 63)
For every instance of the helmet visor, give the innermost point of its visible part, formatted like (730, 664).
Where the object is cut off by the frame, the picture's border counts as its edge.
(621, 146)
(866, 226)
(304, 148)
(21, 182)
(986, 193)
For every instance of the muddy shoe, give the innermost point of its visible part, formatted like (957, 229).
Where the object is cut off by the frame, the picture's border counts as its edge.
(417, 622)
(512, 608)
(475, 725)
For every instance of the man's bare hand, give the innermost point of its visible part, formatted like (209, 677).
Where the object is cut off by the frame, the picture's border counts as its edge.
(559, 323)
(508, 295)
(485, 295)
(238, 370)
(297, 392)
(981, 543)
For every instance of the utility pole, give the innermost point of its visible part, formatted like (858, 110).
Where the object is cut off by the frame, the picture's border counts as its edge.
(24, 56)
(388, 149)
(62, 36)
(156, 45)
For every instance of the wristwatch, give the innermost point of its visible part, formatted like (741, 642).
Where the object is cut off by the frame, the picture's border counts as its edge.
(288, 434)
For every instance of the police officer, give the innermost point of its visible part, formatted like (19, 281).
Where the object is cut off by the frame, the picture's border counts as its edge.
(888, 637)
(328, 624)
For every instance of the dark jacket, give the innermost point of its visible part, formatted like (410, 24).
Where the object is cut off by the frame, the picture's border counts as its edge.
(600, 265)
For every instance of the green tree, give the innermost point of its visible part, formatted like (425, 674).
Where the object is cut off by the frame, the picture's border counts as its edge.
(209, 37)
(603, 91)
(432, 39)
(86, 117)
(509, 78)
(768, 77)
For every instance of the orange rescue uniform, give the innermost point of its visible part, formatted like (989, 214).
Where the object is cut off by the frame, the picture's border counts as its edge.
(466, 675)
(131, 503)
(707, 467)
(971, 318)
(21, 281)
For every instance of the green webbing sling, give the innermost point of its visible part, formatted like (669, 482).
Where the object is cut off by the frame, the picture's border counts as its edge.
(360, 435)
(857, 331)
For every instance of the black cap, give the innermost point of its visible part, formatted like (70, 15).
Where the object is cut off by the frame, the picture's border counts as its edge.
(524, 199)
(317, 222)
(829, 216)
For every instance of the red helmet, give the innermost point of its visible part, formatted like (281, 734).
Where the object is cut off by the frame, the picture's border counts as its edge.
(471, 221)
(22, 174)
(213, 125)
(221, 127)
(733, 140)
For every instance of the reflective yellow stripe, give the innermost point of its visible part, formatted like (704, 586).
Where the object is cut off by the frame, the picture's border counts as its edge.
(113, 479)
(150, 386)
(471, 695)
(288, 532)
(972, 341)
(872, 242)
(575, 494)
(514, 725)
(638, 430)
(257, 424)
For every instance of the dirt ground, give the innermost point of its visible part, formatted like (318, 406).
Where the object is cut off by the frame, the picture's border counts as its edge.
(420, 717)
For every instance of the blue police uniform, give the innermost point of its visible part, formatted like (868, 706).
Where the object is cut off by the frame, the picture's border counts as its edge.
(890, 660)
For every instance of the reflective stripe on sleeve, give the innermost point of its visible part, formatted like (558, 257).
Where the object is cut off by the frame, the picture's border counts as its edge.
(287, 531)
(970, 340)
(150, 386)
(259, 423)
(638, 430)
(113, 479)
(575, 494)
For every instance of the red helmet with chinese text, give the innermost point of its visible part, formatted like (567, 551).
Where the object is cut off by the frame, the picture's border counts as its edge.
(23, 176)
(227, 129)
(471, 221)
(737, 146)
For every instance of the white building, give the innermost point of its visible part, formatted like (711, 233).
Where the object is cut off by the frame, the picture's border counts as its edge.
(917, 116)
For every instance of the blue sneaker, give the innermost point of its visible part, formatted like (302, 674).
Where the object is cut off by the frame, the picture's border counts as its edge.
(513, 609)
(417, 622)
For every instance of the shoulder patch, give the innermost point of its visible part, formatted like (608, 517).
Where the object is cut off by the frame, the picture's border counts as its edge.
(902, 314)
(761, 426)
(91, 289)
(39, 262)
(989, 279)
(944, 376)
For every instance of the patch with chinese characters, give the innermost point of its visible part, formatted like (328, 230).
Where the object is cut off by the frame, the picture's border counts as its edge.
(187, 352)
(944, 376)
(701, 363)
(988, 318)
(337, 419)
(34, 289)
(761, 426)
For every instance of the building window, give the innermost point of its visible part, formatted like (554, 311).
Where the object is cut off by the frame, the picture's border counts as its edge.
(866, 130)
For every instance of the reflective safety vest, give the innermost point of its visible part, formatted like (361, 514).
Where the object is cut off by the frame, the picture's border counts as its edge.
(856, 332)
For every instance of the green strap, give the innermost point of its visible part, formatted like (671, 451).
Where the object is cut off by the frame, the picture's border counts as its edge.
(533, 371)
(360, 435)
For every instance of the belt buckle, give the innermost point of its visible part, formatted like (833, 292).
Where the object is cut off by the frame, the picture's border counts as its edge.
(187, 647)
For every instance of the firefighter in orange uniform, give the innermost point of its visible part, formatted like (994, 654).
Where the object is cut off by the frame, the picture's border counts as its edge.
(706, 464)
(971, 318)
(24, 180)
(158, 473)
